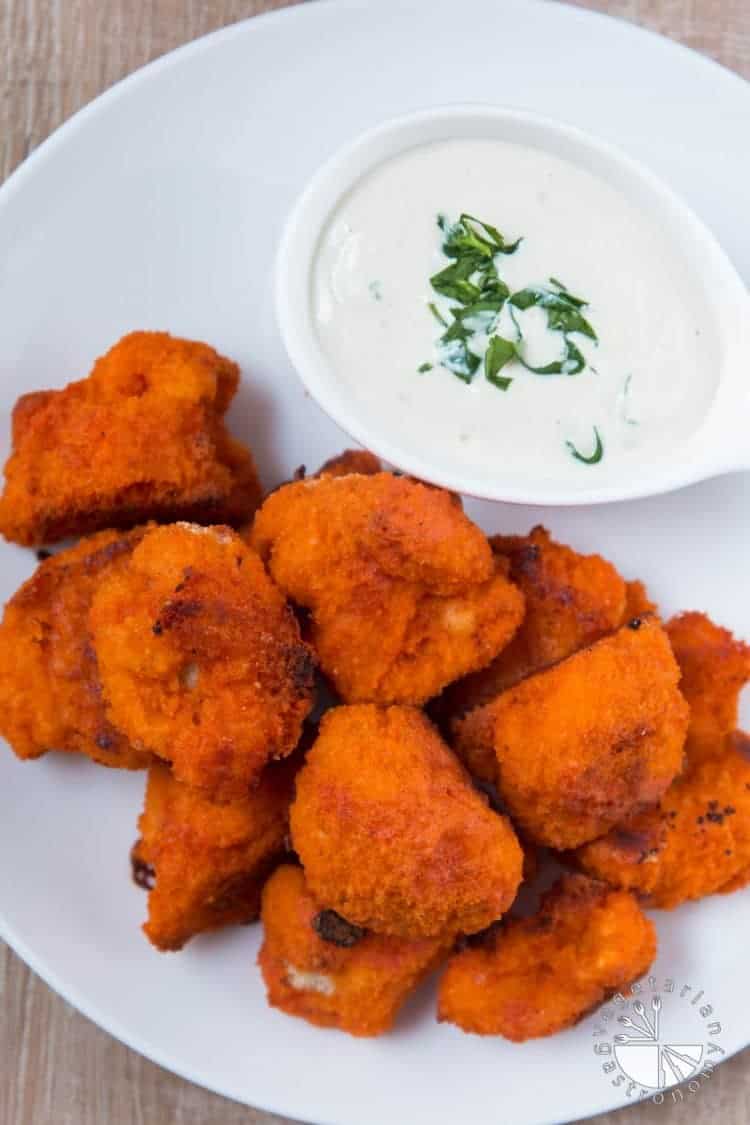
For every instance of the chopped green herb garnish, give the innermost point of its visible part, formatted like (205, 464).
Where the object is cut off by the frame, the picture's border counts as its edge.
(577, 301)
(499, 352)
(496, 240)
(376, 290)
(454, 282)
(479, 296)
(571, 363)
(437, 314)
(424, 367)
(500, 381)
(457, 330)
(595, 457)
(454, 355)
(563, 310)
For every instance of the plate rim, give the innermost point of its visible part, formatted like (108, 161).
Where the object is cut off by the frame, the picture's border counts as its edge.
(15, 182)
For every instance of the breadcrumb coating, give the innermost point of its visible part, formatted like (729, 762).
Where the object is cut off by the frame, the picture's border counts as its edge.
(141, 438)
(571, 601)
(637, 602)
(696, 843)
(584, 744)
(402, 589)
(715, 667)
(353, 980)
(391, 832)
(205, 862)
(50, 694)
(535, 976)
(201, 659)
(359, 461)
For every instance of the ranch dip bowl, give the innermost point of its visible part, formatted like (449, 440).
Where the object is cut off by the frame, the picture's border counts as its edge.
(500, 304)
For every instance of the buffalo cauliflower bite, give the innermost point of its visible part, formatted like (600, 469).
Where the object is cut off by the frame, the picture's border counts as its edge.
(359, 461)
(582, 745)
(200, 657)
(715, 667)
(535, 976)
(50, 694)
(472, 737)
(696, 843)
(318, 966)
(402, 589)
(571, 601)
(203, 863)
(391, 832)
(637, 602)
(143, 437)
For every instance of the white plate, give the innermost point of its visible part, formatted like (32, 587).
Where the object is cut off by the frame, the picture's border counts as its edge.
(160, 206)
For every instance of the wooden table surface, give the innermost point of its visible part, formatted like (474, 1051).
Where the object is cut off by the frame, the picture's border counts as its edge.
(56, 1068)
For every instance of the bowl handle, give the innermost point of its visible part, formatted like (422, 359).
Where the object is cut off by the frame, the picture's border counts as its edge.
(726, 440)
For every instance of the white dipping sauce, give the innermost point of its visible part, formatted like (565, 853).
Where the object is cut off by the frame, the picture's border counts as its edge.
(648, 382)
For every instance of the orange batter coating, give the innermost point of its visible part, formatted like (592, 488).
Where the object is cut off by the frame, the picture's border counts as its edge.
(697, 842)
(571, 601)
(50, 695)
(200, 657)
(391, 832)
(403, 590)
(359, 461)
(473, 739)
(584, 744)
(536, 976)
(203, 863)
(321, 968)
(637, 602)
(141, 438)
(715, 667)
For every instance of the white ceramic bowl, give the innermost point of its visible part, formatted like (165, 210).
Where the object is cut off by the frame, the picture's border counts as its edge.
(719, 445)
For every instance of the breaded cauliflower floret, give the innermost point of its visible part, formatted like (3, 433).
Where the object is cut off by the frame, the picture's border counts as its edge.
(696, 843)
(204, 864)
(391, 832)
(571, 601)
(402, 588)
(637, 602)
(323, 969)
(536, 976)
(141, 438)
(359, 461)
(50, 695)
(586, 743)
(200, 657)
(715, 667)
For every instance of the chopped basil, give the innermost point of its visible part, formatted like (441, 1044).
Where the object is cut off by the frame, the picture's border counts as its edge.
(571, 363)
(595, 457)
(564, 289)
(437, 314)
(499, 352)
(563, 310)
(496, 240)
(454, 355)
(478, 297)
(423, 367)
(454, 282)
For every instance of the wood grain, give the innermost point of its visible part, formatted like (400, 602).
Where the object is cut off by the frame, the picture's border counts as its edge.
(57, 1068)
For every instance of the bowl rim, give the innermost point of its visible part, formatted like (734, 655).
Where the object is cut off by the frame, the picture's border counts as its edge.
(716, 446)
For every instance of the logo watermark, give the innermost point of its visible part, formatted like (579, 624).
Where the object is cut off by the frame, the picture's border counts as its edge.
(661, 1042)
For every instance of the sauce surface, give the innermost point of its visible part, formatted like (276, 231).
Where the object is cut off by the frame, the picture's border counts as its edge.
(646, 381)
